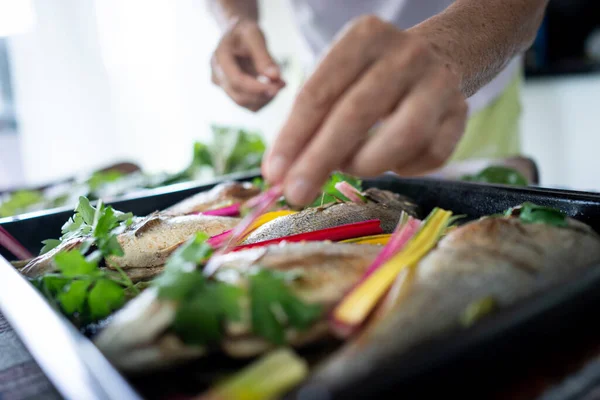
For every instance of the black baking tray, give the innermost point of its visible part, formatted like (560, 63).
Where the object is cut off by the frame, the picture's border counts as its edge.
(477, 362)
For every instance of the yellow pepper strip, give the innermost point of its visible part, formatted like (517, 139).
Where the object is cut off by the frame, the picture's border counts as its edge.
(269, 377)
(263, 219)
(358, 304)
(373, 239)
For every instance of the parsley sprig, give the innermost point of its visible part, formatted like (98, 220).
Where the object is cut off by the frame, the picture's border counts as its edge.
(206, 304)
(80, 289)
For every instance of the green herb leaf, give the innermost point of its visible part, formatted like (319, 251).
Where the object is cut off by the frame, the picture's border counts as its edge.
(274, 306)
(85, 210)
(331, 194)
(533, 213)
(105, 297)
(200, 319)
(177, 285)
(49, 244)
(72, 299)
(180, 277)
(73, 264)
(498, 175)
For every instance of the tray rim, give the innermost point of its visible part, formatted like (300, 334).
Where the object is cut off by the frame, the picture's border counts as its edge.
(198, 184)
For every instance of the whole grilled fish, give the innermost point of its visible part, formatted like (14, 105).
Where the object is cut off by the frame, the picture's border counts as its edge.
(146, 243)
(500, 259)
(382, 205)
(135, 336)
(221, 195)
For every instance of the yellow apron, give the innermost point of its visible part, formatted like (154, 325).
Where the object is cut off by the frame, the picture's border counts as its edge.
(493, 132)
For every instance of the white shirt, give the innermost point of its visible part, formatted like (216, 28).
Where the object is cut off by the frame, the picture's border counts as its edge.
(320, 20)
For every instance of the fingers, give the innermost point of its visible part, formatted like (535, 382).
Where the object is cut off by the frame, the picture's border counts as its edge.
(410, 130)
(441, 148)
(344, 63)
(347, 125)
(257, 47)
(230, 71)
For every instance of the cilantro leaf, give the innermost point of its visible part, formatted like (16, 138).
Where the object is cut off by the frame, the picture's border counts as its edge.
(200, 319)
(105, 297)
(106, 222)
(73, 264)
(274, 306)
(180, 278)
(49, 244)
(177, 285)
(72, 298)
(532, 213)
(85, 210)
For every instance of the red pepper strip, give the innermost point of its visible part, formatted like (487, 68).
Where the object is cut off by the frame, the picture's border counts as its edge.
(229, 211)
(219, 240)
(337, 233)
(11, 244)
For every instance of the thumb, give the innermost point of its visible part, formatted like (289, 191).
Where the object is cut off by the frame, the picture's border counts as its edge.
(263, 62)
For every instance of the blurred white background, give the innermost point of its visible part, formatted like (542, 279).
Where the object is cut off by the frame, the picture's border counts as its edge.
(100, 81)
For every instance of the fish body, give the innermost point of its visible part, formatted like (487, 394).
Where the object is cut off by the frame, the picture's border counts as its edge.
(493, 258)
(43, 264)
(326, 271)
(146, 244)
(222, 195)
(385, 206)
(149, 243)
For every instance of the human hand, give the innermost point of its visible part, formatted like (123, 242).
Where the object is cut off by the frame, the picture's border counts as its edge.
(243, 67)
(373, 73)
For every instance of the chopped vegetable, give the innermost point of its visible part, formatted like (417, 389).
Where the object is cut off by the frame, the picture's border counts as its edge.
(403, 233)
(11, 244)
(499, 175)
(383, 239)
(477, 310)
(331, 194)
(268, 378)
(533, 213)
(229, 211)
(357, 305)
(337, 233)
(350, 192)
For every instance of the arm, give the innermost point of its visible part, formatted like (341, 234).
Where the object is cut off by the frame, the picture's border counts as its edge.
(415, 82)
(478, 38)
(228, 11)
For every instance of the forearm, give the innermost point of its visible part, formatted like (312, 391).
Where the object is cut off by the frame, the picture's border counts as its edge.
(477, 38)
(227, 11)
